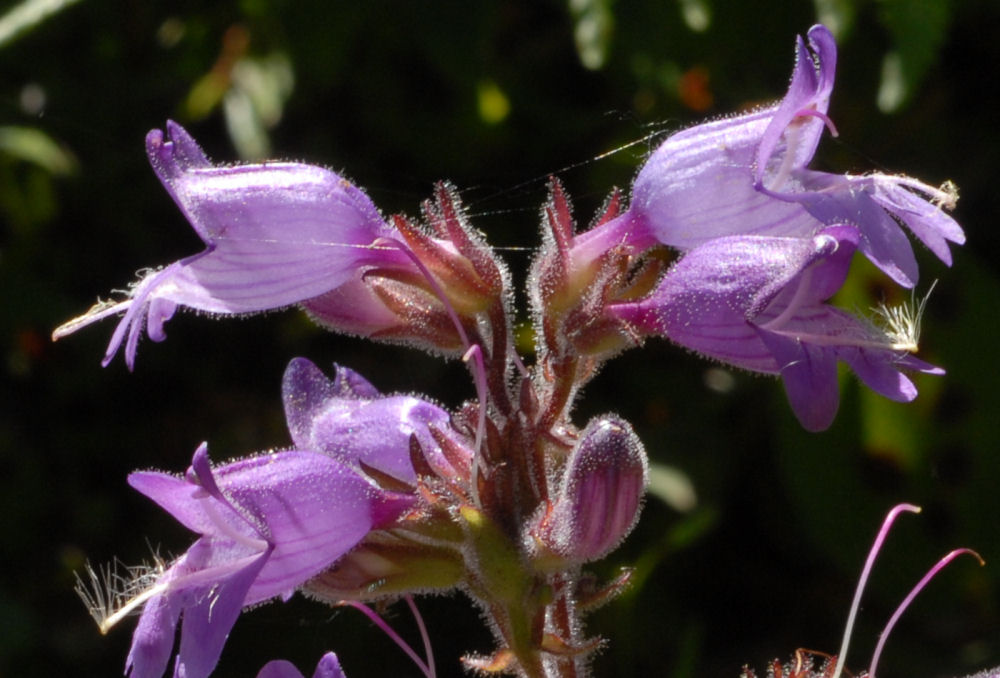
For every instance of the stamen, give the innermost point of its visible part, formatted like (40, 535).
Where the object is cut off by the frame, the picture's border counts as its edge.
(909, 599)
(474, 350)
(479, 377)
(99, 311)
(423, 634)
(388, 630)
(208, 504)
(793, 133)
(945, 196)
(901, 324)
(807, 112)
(879, 539)
(894, 328)
(793, 306)
(114, 591)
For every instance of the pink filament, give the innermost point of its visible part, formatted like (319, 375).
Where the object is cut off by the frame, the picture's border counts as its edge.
(909, 599)
(822, 116)
(879, 539)
(388, 630)
(474, 351)
(423, 634)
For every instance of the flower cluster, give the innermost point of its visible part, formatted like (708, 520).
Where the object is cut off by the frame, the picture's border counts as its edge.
(765, 241)
(379, 496)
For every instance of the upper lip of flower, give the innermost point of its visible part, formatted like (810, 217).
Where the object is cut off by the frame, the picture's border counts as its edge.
(806, 103)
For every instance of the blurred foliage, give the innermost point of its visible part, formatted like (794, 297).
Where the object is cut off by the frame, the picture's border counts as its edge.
(494, 96)
(25, 16)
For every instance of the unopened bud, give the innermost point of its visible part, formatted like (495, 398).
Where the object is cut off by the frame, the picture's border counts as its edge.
(601, 493)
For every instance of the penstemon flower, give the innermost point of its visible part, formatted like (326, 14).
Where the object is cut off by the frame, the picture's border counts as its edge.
(267, 524)
(504, 498)
(757, 302)
(748, 175)
(275, 234)
(279, 234)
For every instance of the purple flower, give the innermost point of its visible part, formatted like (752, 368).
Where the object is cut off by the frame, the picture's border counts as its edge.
(267, 524)
(350, 420)
(275, 234)
(748, 175)
(328, 667)
(756, 302)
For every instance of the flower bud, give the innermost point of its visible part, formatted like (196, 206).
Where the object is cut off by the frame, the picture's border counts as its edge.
(601, 493)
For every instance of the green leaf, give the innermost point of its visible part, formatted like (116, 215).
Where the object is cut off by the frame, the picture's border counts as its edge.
(673, 486)
(37, 147)
(593, 24)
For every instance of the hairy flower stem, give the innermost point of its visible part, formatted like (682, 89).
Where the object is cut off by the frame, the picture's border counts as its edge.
(500, 358)
(564, 619)
(559, 373)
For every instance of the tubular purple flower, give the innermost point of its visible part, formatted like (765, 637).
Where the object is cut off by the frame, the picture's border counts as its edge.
(267, 524)
(756, 302)
(328, 667)
(348, 418)
(747, 175)
(276, 234)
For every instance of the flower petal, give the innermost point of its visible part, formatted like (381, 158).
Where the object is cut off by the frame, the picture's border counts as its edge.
(880, 372)
(153, 638)
(207, 623)
(375, 431)
(708, 299)
(279, 668)
(927, 221)
(809, 91)
(276, 234)
(306, 392)
(328, 667)
(730, 177)
(699, 185)
(312, 508)
(353, 308)
(809, 373)
(269, 200)
(176, 496)
(834, 199)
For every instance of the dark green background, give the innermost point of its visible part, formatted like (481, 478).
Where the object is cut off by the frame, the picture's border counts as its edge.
(387, 93)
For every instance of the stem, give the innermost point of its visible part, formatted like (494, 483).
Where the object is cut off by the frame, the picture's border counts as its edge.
(499, 351)
(563, 371)
(563, 617)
